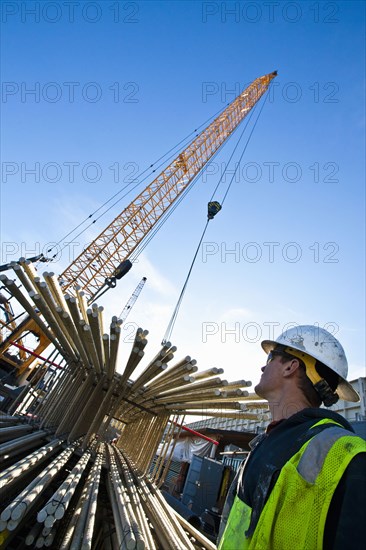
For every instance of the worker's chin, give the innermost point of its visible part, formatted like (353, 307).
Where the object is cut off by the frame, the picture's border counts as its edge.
(259, 391)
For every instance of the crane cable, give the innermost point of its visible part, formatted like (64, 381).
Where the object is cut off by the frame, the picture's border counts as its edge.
(173, 207)
(171, 324)
(245, 148)
(242, 154)
(133, 257)
(169, 330)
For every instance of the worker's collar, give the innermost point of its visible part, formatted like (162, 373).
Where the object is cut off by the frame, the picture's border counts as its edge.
(273, 424)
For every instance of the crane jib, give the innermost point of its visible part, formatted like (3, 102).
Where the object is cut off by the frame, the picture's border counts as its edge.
(123, 235)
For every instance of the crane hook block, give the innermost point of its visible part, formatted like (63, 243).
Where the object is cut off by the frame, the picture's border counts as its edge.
(122, 269)
(212, 209)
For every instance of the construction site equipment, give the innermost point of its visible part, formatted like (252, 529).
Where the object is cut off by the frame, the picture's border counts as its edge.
(213, 208)
(111, 282)
(126, 310)
(116, 243)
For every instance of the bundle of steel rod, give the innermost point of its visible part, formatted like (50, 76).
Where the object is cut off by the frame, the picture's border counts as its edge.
(16, 471)
(14, 447)
(80, 529)
(21, 505)
(134, 506)
(163, 461)
(173, 385)
(57, 505)
(144, 503)
(152, 428)
(128, 530)
(31, 501)
(141, 517)
(9, 420)
(208, 395)
(89, 391)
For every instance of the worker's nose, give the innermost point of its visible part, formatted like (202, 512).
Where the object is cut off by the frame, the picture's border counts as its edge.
(262, 368)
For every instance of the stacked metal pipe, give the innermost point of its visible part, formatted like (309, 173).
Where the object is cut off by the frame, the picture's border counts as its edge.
(19, 469)
(12, 515)
(142, 519)
(87, 393)
(82, 529)
(144, 504)
(56, 506)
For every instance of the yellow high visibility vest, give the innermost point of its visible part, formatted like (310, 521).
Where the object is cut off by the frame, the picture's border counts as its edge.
(295, 513)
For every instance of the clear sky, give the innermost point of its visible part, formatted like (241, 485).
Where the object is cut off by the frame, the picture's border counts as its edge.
(93, 92)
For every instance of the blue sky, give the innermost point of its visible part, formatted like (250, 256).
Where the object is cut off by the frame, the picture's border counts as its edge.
(117, 84)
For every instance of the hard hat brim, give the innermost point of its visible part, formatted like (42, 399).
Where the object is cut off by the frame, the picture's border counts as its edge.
(344, 389)
(268, 345)
(347, 392)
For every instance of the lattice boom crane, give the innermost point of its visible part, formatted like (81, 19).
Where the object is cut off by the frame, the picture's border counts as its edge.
(114, 245)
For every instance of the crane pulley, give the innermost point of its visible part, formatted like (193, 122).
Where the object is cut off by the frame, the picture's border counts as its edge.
(213, 208)
(111, 282)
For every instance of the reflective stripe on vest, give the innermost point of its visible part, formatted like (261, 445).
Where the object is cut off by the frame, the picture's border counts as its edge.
(295, 512)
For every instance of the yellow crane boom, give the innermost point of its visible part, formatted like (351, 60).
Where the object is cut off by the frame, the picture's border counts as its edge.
(115, 244)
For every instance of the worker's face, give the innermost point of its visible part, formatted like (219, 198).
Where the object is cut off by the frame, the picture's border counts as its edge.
(271, 378)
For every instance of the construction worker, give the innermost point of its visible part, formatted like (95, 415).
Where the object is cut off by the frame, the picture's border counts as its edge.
(303, 485)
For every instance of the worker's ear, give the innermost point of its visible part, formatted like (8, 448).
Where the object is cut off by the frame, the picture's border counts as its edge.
(290, 367)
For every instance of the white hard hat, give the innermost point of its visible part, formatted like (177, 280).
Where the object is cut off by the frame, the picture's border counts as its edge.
(321, 345)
